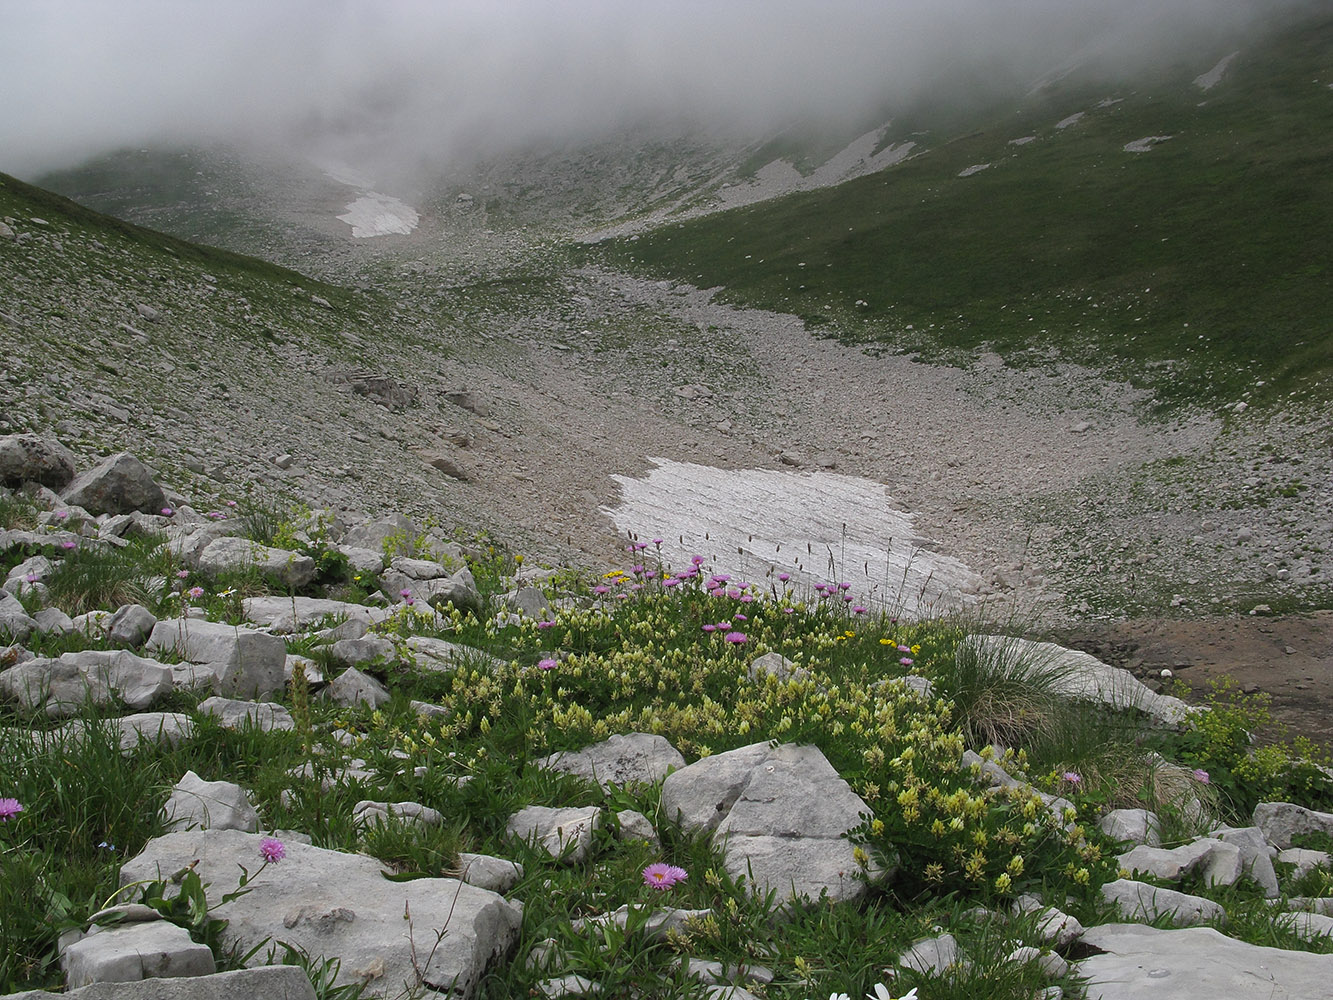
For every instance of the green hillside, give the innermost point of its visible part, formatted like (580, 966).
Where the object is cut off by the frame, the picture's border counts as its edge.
(1200, 267)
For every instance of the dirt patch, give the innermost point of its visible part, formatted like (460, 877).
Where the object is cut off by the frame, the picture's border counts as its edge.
(1288, 657)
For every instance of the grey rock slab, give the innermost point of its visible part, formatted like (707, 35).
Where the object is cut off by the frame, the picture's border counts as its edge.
(621, 760)
(496, 874)
(368, 813)
(352, 687)
(399, 531)
(777, 666)
(131, 625)
(340, 905)
(229, 554)
(1220, 861)
(118, 485)
(1138, 826)
(1140, 900)
(1054, 926)
(1305, 861)
(369, 561)
(527, 601)
(35, 459)
(931, 956)
(1256, 855)
(563, 833)
(1280, 821)
(291, 614)
(1307, 925)
(418, 569)
(61, 686)
(442, 655)
(1196, 963)
(459, 590)
(571, 985)
(171, 728)
(1082, 676)
(634, 825)
(233, 714)
(250, 662)
(53, 621)
(134, 951)
(209, 805)
(761, 807)
(271, 982)
(368, 649)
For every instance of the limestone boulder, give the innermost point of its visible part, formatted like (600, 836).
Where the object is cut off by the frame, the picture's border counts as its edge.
(340, 905)
(1280, 821)
(352, 687)
(292, 614)
(246, 662)
(1139, 900)
(1138, 826)
(271, 982)
(61, 686)
(231, 554)
(632, 758)
(130, 952)
(1196, 963)
(28, 458)
(118, 485)
(196, 804)
(780, 816)
(235, 714)
(563, 833)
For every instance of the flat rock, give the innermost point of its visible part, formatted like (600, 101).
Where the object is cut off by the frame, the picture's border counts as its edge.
(249, 663)
(234, 714)
(780, 815)
(1196, 963)
(34, 459)
(291, 614)
(621, 760)
(231, 554)
(352, 687)
(118, 485)
(130, 952)
(340, 905)
(269, 982)
(208, 805)
(61, 686)
(1280, 821)
(1141, 900)
(562, 833)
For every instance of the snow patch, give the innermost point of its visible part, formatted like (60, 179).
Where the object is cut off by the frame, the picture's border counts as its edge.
(1209, 80)
(1022, 140)
(976, 168)
(375, 214)
(1144, 144)
(1072, 119)
(817, 526)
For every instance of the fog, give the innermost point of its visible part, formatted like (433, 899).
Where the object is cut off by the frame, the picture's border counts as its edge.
(414, 84)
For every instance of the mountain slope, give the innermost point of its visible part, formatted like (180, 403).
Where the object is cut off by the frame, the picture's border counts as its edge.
(1197, 266)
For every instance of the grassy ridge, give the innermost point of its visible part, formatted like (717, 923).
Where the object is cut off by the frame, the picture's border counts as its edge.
(1199, 268)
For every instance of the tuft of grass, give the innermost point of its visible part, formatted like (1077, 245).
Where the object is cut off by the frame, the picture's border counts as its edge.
(91, 578)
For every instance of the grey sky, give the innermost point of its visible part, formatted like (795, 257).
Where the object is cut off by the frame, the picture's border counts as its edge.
(420, 81)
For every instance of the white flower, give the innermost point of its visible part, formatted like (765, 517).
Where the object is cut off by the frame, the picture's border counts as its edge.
(882, 993)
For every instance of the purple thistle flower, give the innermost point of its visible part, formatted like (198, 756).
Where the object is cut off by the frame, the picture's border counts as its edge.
(663, 876)
(546, 624)
(546, 664)
(272, 850)
(670, 581)
(710, 628)
(784, 577)
(736, 638)
(601, 589)
(68, 544)
(1201, 776)
(858, 610)
(906, 661)
(9, 808)
(167, 512)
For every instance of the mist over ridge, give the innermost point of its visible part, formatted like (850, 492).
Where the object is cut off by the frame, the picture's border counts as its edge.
(400, 88)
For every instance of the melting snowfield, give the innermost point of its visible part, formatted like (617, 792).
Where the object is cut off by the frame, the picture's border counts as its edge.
(817, 526)
(375, 214)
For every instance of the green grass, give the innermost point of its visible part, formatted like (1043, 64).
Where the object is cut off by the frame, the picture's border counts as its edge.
(1197, 269)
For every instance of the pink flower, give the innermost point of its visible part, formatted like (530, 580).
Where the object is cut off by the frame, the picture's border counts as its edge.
(546, 624)
(196, 592)
(9, 808)
(663, 876)
(740, 618)
(231, 503)
(657, 541)
(670, 581)
(272, 850)
(858, 610)
(784, 577)
(696, 559)
(68, 544)
(601, 589)
(167, 512)
(1201, 776)
(710, 628)
(182, 574)
(1073, 777)
(546, 664)
(61, 515)
(906, 661)
(736, 638)
(844, 586)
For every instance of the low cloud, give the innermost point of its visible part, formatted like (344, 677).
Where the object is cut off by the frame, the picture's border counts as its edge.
(417, 84)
